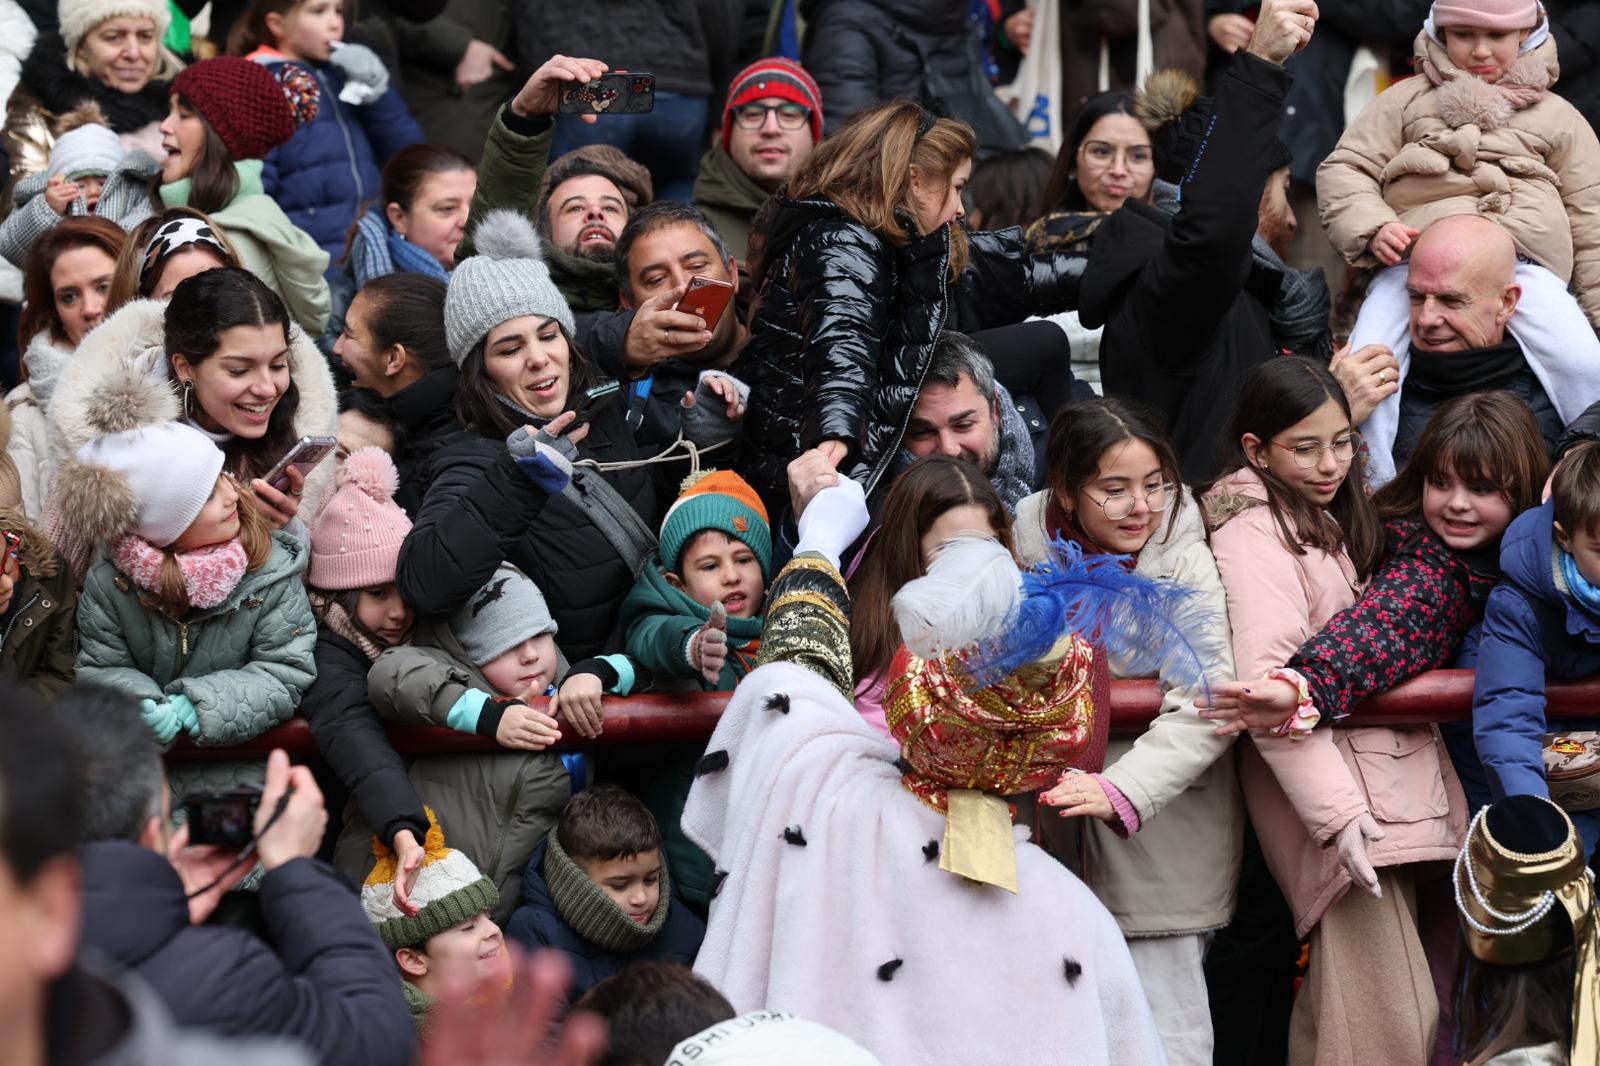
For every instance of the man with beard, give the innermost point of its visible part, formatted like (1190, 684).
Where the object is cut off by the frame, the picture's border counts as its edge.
(771, 122)
(587, 198)
(963, 412)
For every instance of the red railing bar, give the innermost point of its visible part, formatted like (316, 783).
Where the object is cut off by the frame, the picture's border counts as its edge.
(1439, 696)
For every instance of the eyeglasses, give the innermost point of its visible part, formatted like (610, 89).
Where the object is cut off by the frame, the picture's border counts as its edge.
(1137, 157)
(754, 116)
(1307, 454)
(1120, 504)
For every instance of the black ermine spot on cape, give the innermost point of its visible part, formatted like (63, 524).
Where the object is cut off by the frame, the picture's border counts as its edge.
(710, 763)
(778, 701)
(930, 850)
(1072, 970)
(716, 882)
(793, 835)
(886, 971)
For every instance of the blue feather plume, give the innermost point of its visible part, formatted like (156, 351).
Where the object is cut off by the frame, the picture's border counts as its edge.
(1146, 626)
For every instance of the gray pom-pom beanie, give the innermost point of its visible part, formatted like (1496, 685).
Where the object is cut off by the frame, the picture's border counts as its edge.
(506, 279)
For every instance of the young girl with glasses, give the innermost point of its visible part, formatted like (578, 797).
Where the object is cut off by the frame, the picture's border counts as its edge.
(1296, 541)
(1114, 490)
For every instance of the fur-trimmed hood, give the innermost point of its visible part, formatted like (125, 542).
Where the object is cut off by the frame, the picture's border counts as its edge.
(118, 380)
(39, 556)
(1465, 99)
(1232, 496)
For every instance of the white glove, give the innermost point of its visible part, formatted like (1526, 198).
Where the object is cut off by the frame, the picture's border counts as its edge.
(1352, 844)
(833, 520)
(366, 77)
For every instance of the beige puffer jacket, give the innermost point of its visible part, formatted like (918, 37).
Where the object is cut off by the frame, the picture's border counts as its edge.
(1420, 153)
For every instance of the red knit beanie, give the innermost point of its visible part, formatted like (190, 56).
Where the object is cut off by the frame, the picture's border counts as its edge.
(776, 77)
(242, 101)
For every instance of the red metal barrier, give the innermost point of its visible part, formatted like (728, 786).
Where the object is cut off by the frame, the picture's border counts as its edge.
(1439, 696)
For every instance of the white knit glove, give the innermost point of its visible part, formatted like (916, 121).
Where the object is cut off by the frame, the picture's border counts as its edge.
(833, 520)
(1352, 844)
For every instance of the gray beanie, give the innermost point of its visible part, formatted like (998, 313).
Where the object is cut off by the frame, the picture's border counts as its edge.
(505, 612)
(506, 278)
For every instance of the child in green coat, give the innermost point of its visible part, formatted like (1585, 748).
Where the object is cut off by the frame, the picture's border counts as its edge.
(697, 613)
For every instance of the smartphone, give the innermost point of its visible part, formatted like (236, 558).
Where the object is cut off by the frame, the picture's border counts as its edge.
(706, 297)
(616, 93)
(593, 399)
(224, 818)
(305, 456)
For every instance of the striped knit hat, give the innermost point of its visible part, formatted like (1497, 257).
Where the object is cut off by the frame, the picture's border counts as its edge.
(449, 890)
(720, 500)
(776, 77)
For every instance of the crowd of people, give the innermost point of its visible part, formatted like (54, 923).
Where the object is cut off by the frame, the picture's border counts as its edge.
(440, 374)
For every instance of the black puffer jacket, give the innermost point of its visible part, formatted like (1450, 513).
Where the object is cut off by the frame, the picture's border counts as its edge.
(481, 510)
(864, 51)
(691, 46)
(1575, 24)
(351, 737)
(425, 412)
(845, 326)
(1185, 309)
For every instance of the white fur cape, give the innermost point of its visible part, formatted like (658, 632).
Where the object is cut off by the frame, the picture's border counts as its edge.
(860, 930)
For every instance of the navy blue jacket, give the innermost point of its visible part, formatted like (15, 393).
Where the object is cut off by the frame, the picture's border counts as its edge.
(1532, 627)
(330, 167)
(330, 984)
(537, 924)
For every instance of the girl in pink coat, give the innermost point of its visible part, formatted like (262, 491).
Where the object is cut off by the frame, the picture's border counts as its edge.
(1296, 539)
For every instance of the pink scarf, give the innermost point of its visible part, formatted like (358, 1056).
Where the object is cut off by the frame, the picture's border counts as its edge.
(209, 574)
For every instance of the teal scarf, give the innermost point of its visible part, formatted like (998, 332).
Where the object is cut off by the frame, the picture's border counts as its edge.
(1587, 595)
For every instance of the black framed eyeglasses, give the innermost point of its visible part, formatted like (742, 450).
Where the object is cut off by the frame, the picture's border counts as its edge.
(754, 116)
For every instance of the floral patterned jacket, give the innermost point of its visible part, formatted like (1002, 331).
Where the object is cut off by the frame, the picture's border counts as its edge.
(1412, 617)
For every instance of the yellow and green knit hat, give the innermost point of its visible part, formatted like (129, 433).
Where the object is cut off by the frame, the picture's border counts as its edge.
(449, 890)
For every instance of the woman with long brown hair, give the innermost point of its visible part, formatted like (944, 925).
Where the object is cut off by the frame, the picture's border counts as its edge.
(65, 296)
(859, 265)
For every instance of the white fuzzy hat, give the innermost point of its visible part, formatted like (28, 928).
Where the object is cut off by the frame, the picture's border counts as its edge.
(769, 1038)
(78, 17)
(152, 481)
(506, 278)
(85, 151)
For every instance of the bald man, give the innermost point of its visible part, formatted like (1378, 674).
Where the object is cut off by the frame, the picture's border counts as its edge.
(1464, 284)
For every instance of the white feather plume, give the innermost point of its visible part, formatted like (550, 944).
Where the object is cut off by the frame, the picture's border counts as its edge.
(970, 593)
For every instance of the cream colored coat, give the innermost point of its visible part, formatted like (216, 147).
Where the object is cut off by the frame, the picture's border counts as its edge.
(1301, 793)
(1180, 872)
(1419, 153)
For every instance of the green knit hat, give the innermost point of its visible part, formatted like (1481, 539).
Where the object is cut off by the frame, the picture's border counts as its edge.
(720, 500)
(449, 890)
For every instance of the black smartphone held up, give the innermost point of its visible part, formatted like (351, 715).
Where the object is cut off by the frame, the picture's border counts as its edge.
(305, 456)
(616, 93)
(593, 399)
(227, 819)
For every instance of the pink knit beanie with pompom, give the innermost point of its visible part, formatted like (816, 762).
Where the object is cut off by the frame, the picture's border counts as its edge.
(355, 542)
(1487, 14)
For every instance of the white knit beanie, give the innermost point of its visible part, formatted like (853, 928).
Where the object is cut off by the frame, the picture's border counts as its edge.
(86, 151)
(78, 17)
(506, 278)
(152, 482)
(769, 1038)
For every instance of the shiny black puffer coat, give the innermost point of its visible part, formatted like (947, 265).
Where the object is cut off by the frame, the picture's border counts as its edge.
(845, 324)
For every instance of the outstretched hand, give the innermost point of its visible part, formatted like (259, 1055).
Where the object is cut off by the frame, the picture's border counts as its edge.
(480, 1023)
(1080, 795)
(1283, 28)
(1238, 706)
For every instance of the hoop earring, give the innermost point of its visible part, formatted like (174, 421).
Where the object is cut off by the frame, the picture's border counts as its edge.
(188, 400)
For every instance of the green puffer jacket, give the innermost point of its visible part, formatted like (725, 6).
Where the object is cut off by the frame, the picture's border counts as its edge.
(245, 664)
(730, 198)
(660, 619)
